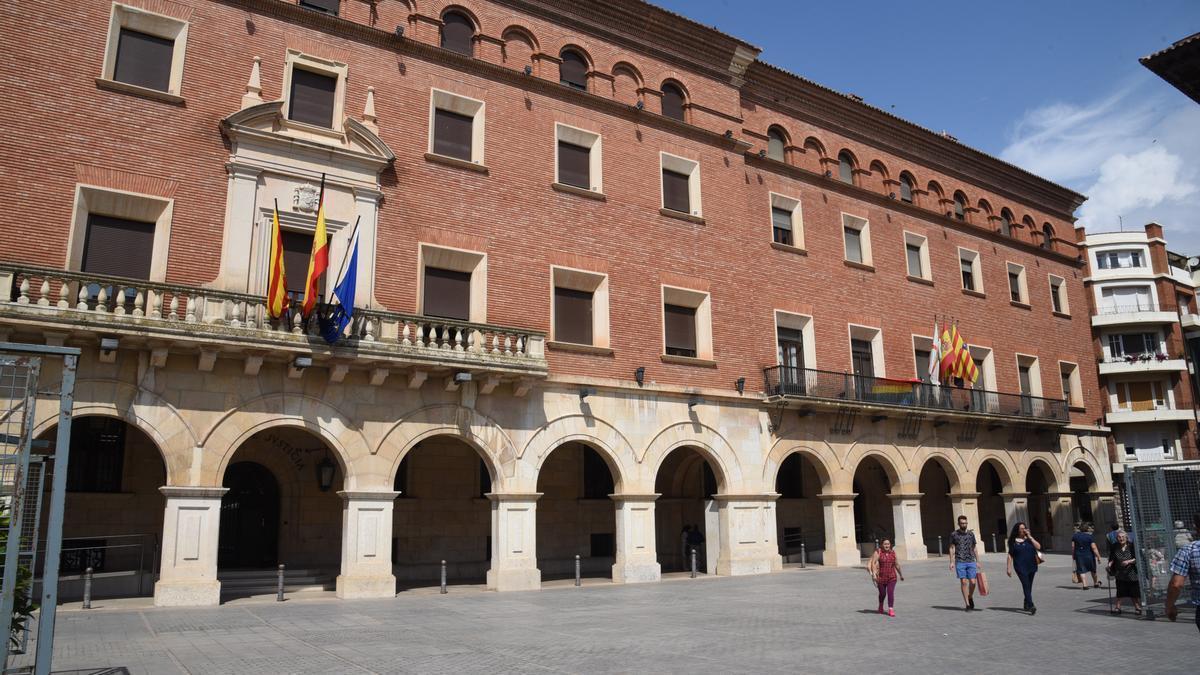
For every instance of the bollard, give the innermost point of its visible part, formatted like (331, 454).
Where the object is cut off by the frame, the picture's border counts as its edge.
(87, 589)
(994, 549)
(443, 577)
(940, 554)
(279, 585)
(576, 569)
(803, 556)
(693, 562)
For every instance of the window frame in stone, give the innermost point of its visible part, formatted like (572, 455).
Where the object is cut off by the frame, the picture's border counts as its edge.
(319, 67)
(795, 220)
(581, 281)
(589, 141)
(463, 261)
(100, 201)
(110, 245)
(1020, 294)
(137, 20)
(697, 305)
(689, 171)
(331, 7)
(460, 107)
(1058, 295)
(1071, 382)
(312, 97)
(920, 243)
(863, 227)
(972, 258)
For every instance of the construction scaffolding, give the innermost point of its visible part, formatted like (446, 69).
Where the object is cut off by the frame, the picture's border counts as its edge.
(1163, 499)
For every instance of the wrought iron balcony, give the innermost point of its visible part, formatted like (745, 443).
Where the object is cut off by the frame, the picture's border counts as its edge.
(785, 383)
(155, 313)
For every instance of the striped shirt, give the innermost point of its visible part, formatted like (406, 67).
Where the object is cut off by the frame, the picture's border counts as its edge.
(1187, 564)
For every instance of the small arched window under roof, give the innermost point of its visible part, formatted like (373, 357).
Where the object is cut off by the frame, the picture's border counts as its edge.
(906, 188)
(672, 101)
(1047, 237)
(572, 69)
(1006, 222)
(846, 166)
(960, 206)
(776, 143)
(458, 33)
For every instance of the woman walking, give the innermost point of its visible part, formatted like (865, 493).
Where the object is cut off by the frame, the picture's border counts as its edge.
(1122, 564)
(1023, 552)
(884, 569)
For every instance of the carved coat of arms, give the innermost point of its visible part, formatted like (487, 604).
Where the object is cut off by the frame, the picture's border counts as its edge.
(305, 198)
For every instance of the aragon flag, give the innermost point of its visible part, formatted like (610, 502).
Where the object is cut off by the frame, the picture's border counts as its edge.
(951, 350)
(319, 260)
(276, 275)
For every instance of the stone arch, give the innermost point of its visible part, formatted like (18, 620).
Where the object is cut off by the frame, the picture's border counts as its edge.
(1078, 456)
(935, 190)
(600, 435)
(724, 460)
(517, 32)
(146, 411)
(822, 458)
(812, 143)
(874, 447)
(470, 426)
(1054, 478)
(1004, 468)
(879, 170)
(324, 421)
(471, 15)
(984, 207)
(955, 470)
(519, 46)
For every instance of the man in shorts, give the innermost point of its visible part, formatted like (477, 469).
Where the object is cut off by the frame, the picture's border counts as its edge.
(964, 562)
(1185, 568)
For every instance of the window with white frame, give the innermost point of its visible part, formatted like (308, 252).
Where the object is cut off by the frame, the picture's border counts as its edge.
(856, 234)
(680, 184)
(117, 233)
(795, 341)
(315, 89)
(687, 323)
(1072, 386)
(866, 351)
(1132, 345)
(453, 283)
(578, 160)
(1058, 295)
(1140, 395)
(970, 270)
(1133, 298)
(916, 252)
(787, 221)
(145, 50)
(579, 310)
(456, 125)
(1018, 289)
(922, 357)
(1029, 375)
(1148, 445)
(1120, 259)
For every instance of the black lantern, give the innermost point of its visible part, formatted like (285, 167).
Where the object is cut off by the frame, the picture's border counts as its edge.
(326, 470)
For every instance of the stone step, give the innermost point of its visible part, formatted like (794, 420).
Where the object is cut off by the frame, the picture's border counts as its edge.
(270, 573)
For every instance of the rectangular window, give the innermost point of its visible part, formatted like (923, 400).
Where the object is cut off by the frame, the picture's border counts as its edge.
(452, 134)
(574, 163)
(312, 98)
(862, 358)
(790, 345)
(573, 316)
(1023, 375)
(675, 191)
(118, 247)
(1071, 385)
(913, 254)
(297, 251)
(856, 237)
(327, 6)
(922, 357)
(781, 225)
(447, 294)
(99, 455)
(680, 327)
(1016, 284)
(144, 60)
(1058, 294)
(968, 275)
(854, 252)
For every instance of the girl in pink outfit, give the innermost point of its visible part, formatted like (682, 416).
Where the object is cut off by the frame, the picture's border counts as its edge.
(884, 569)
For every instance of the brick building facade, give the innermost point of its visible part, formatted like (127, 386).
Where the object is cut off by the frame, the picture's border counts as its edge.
(644, 278)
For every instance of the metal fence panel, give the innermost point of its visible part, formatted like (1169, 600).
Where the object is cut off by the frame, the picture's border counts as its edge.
(1162, 502)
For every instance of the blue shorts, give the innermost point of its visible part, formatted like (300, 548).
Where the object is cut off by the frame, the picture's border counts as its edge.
(966, 570)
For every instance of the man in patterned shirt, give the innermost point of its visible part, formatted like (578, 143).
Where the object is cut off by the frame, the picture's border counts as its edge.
(1185, 568)
(964, 562)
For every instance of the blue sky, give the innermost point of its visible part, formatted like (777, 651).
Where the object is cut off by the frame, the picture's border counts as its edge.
(1052, 86)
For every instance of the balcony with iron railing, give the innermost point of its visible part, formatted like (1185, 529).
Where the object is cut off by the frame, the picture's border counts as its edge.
(1142, 362)
(1127, 314)
(213, 322)
(807, 386)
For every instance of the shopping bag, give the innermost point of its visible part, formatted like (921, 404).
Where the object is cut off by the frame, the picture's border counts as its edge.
(1074, 577)
(981, 581)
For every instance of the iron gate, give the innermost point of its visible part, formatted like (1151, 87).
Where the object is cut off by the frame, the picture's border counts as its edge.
(1162, 501)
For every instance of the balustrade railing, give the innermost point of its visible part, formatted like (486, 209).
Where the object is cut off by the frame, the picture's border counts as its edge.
(150, 302)
(1134, 307)
(822, 384)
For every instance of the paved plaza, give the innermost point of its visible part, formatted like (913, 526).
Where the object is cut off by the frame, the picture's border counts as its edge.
(811, 620)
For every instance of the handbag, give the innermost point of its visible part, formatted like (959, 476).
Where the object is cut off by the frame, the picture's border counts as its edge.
(1074, 577)
(1040, 558)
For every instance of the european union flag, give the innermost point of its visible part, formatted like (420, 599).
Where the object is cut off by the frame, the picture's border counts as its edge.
(342, 298)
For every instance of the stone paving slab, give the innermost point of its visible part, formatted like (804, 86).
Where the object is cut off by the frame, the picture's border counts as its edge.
(811, 620)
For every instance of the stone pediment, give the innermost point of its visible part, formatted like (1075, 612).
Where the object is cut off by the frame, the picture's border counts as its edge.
(264, 130)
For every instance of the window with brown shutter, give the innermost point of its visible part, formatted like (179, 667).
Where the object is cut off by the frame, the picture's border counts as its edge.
(297, 251)
(327, 6)
(781, 225)
(572, 70)
(672, 102)
(573, 316)
(312, 98)
(118, 247)
(680, 327)
(458, 33)
(447, 293)
(452, 134)
(675, 191)
(144, 60)
(574, 164)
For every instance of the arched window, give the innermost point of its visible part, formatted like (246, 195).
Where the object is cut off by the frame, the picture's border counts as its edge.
(846, 167)
(935, 191)
(906, 188)
(1006, 222)
(775, 144)
(1047, 237)
(572, 70)
(672, 102)
(458, 33)
(960, 206)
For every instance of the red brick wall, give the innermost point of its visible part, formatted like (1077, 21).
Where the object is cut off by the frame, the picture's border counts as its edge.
(59, 118)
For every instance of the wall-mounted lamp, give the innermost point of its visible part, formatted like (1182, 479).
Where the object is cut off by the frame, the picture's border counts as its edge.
(828, 173)
(641, 104)
(326, 470)
(762, 154)
(640, 375)
(109, 344)
(741, 385)
(302, 362)
(462, 377)
(891, 195)
(694, 401)
(399, 31)
(585, 392)
(729, 133)
(528, 70)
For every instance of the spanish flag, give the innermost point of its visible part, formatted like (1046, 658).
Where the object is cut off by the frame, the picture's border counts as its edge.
(951, 351)
(319, 260)
(276, 276)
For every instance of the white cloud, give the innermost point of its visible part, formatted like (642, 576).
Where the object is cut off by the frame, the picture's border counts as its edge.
(1133, 153)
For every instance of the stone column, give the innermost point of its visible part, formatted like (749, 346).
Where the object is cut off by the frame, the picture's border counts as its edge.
(746, 544)
(239, 244)
(366, 206)
(962, 504)
(841, 548)
(1104, 510)
(514, 543)
(1016, 508)
(191, 530)
(367, 545)
(1064, 520)
(906, 517)
(637, 555)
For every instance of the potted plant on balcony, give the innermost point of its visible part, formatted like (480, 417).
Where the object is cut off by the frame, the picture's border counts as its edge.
(1160, 357)
(1130, 358)
(1145, 357)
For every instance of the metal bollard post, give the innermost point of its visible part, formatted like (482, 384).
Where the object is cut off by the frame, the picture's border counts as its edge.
(443, 577)
(279, 585)
(994, 549)
(803, 556)
(940, 554)
(87, 589)
(576, 569)
(693, 562)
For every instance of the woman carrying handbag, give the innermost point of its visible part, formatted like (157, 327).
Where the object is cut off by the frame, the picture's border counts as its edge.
(1122, 564)
(1024, 555)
